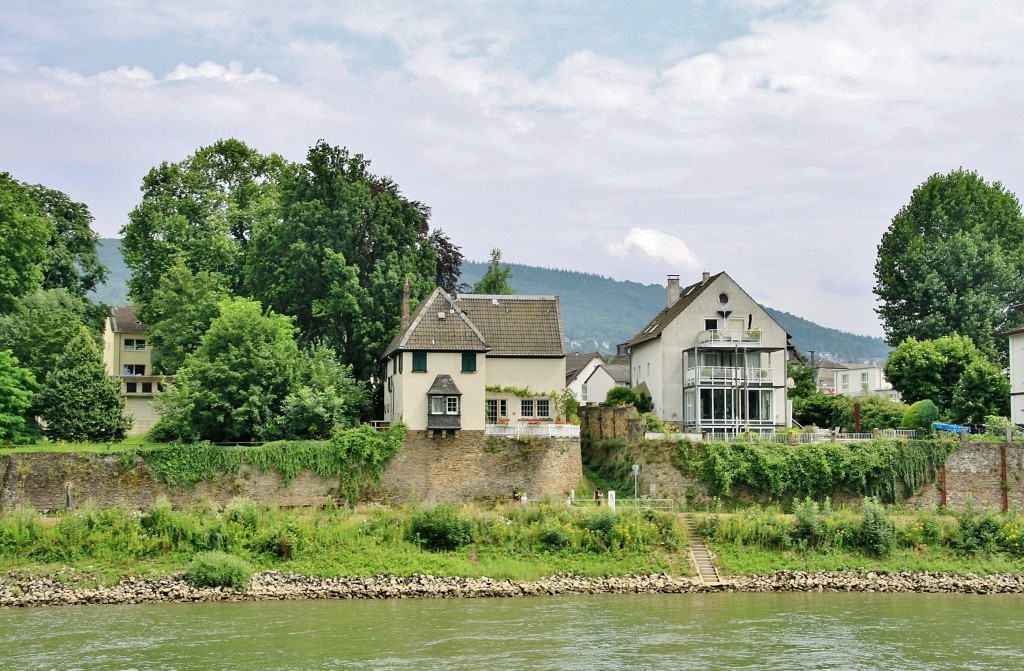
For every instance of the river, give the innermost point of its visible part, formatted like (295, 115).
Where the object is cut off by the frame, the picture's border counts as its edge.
(788, 631)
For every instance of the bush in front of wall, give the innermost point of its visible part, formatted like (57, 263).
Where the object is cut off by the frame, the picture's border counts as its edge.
(441, 528)
(218, 569)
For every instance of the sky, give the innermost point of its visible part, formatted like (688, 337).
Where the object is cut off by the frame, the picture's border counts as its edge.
(769, 139)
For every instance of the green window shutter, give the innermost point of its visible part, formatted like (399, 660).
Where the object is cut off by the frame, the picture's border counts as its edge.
(419, 362)
(469, 362)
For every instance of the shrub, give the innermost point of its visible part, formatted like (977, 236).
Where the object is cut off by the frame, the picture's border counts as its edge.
(877, 532)
(441, 528)
(809, 525)
(621, 396)
(554, 538)
(977, 533)
(218, 569)
(920, 416)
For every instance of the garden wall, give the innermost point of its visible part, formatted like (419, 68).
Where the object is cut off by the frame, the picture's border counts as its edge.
(466, 466)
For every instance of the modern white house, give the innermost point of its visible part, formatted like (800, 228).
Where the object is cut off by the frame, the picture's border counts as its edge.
(129, 356)
(1016, 350)
(713, 361)
(854, 380)
(477, 363)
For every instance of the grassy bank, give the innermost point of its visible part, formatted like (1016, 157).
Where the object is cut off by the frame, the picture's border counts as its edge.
(497, 541)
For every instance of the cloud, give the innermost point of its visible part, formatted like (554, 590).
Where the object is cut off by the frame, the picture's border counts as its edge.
(658, 245)
(208, 70)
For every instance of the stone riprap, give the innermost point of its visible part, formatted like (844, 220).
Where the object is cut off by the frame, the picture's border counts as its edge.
(20, 591)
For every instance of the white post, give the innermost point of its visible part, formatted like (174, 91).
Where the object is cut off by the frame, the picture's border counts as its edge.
(611, 500)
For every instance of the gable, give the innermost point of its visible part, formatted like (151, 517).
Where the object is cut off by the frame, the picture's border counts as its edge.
(516, 325)
(437, 325)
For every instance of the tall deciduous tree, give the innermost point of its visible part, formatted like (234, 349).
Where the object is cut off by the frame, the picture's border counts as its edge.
(496, 279)
(234, 385)
(17, 386)
(79, 401)
(982, 390)
(200, 212)
(932, 369)
(24, 232)
(71, 261)
(338, 253)
(952, 261)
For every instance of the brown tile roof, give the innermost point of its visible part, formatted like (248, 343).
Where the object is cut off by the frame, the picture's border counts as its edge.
(686, 296)
(517, 325)
(437, 325)
(123, 320)
(577, 361)
(618, 372)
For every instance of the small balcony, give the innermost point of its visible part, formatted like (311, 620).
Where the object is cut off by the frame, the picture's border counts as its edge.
(728, 376)
(539, 430)
(728, 338)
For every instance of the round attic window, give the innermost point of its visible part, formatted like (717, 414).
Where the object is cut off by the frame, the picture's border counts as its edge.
(723, 298)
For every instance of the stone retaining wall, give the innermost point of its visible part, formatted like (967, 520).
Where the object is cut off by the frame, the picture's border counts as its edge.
(460, 468)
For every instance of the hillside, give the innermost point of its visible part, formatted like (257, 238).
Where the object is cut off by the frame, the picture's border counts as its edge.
(598, 312)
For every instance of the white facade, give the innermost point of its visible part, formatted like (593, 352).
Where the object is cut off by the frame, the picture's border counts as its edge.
(713, 361)
(577, 384)
(599, 383)
(864, 381)
(1016, 375)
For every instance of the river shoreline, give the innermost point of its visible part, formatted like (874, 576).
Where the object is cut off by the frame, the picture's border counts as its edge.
(18, 592)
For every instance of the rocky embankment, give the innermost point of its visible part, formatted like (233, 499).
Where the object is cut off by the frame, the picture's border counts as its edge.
(18, 591)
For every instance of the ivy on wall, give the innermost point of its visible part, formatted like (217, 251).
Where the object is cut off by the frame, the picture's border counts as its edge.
(357, 456)
(877, 468)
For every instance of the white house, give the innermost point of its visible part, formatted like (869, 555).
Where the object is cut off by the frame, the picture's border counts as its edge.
(578, 368)
(1016, 337)
(129, 356)
(854, 380)
(604, 377)
(476, 361)
(713, 361)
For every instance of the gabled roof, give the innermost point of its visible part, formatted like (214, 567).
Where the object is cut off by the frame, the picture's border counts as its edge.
(686, 296)
(618, 372)
(444, 385)
(516, 325)
(123, 320)
(576, 362)
(437, 325)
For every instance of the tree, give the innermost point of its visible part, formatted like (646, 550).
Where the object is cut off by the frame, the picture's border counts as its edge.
(79, 401)
(338, 254)
(621, 396)
(179, 312)
(449, 261)
(200, 212)
(951, 262)
(24, 232)
(930, 368)
(70, 261)
(42, 324)
(981, 391)
(803, 378)
(234, 385)
(818, 409)
(920, 417)
(496, 280)
(875, 413)
(17, 386)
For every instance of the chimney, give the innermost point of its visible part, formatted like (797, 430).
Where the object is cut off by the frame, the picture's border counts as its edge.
(405, 305)
(673, 289)
(705, 277)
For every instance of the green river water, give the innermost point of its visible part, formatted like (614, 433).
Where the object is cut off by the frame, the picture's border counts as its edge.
(704, 631)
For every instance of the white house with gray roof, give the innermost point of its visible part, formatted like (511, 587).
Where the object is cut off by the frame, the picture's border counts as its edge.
(713, 361)
(476, 362)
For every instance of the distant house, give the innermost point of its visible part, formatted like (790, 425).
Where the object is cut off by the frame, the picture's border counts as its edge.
(713, 361)
(476, 363)
(854, 380)
(825, 374)
(578, 367)
(1016, 345)
(129, 357)
(606, 376)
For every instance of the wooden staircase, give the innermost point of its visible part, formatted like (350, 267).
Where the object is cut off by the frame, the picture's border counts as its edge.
(700, 556)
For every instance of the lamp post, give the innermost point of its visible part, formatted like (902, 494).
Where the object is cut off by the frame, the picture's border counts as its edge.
(636, 470)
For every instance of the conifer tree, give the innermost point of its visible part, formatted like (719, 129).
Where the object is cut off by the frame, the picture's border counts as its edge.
(79, 401)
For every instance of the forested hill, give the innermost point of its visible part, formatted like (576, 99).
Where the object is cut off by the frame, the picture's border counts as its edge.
(598, 312)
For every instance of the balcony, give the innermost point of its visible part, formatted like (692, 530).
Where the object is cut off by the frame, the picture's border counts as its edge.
(728, 376)
(729, 338)
(539, 430)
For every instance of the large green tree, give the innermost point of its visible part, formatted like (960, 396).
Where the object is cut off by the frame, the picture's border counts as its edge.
(70, 261)
(200, 212)
(496, 280)
(951, 262)
(982, 391)
(336, 256)
(232, 388)
(17, 386)
(24, 233)
(79, 401)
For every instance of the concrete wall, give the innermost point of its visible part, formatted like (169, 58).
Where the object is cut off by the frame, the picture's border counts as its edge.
(460, 468)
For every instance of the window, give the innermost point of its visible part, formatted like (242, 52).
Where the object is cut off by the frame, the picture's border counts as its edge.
(710, 324)
(845, 379)
(503, 408)
(583, 392)
(134, 344)
(543, 407)
(394, 364)
(723, 298)
(437, 405)
(130, 387)
(453, 405)
(147, 387)
(134, 369)
(863, 378)
(401, 361)
(526, 407)
(419, 362)
(491, 411)
(469, 362)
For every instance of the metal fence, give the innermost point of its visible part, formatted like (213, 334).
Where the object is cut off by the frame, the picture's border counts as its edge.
(822, 436)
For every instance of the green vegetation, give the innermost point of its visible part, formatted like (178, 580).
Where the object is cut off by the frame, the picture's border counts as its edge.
(496, 280)
(880, 467)
(218, 569)
(497, 541)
